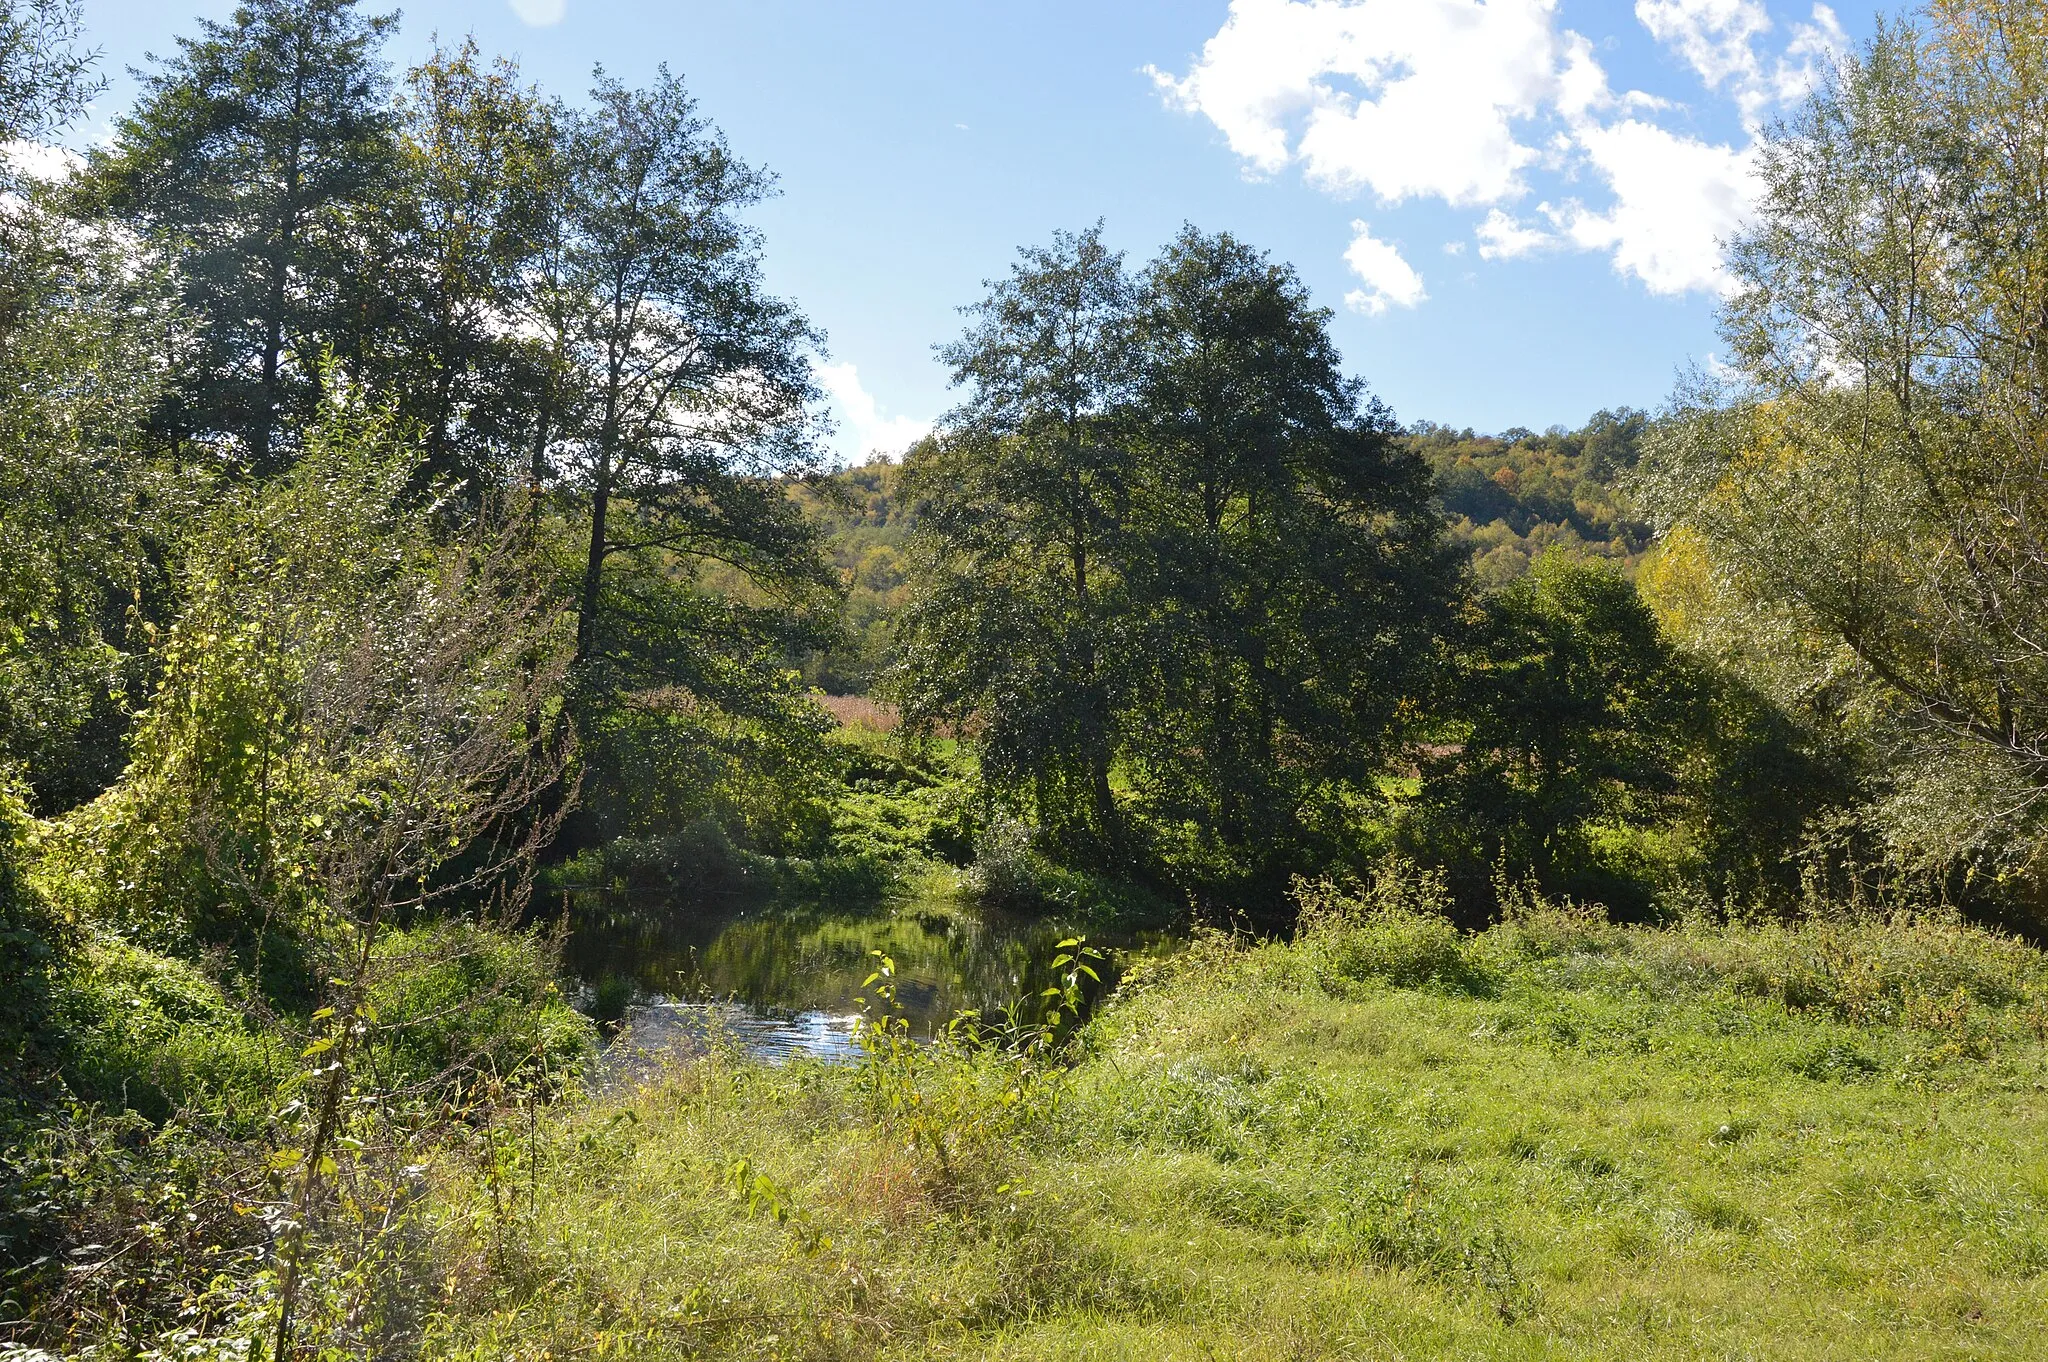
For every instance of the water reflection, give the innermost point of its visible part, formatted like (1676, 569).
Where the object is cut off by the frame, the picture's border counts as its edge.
(658, 1032)
(785, 978)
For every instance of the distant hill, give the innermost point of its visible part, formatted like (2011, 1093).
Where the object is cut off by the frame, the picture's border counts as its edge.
(1510, 496)
(866, 529)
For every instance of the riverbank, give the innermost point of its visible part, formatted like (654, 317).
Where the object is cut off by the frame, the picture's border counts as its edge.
(1559, 1138)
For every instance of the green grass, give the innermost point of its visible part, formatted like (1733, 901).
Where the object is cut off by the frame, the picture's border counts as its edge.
(1556, 1140)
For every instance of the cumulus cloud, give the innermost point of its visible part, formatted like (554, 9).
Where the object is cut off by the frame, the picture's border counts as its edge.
(1402, 97)
(1714, 36)
(1503, 237)
(1469, 101)
(863, 429)
(1718, 38)
(540, 13)
(1676, 199)
(1390, 281)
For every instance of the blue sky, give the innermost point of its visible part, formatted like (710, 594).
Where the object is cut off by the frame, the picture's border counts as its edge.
(1510, 205)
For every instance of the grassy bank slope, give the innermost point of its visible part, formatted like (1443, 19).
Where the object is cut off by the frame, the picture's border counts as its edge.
(1556, 1140)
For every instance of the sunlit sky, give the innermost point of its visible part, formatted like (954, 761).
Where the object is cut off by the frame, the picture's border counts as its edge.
(1511, 206)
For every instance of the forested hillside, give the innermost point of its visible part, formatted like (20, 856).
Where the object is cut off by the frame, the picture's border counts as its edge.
(505, 852)
(1515, 496)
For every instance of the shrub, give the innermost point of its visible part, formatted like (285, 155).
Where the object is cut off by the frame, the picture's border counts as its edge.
(697, 859)
(1533, 926)
(1010, 873)
(1392, 926)
(457, 998)
(142, 1031)
(1862, 969)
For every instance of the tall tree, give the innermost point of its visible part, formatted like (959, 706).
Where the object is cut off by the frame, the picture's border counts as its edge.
(81, 517)
(1865, 499)
(1283, 555)
(691, 384)
(242, 161)
(465, 212)
(1023, 497)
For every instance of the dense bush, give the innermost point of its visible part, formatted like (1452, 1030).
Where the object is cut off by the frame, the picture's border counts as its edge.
(458, 1000)
(149, 1033)
(1393, 927)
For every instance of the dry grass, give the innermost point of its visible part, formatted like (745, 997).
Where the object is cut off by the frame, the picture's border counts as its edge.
(859, 711)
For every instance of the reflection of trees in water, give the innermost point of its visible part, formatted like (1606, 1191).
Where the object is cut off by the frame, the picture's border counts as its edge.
(801, 958)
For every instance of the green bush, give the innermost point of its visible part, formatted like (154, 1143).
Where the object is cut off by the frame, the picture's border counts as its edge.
(697, 859)
(154, 1035)
(456, 999)
(901, 803)
(1011, 874)
(1903, 968)
(1392, 927)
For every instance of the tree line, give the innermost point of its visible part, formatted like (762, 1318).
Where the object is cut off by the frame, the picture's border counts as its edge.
(1211, 617)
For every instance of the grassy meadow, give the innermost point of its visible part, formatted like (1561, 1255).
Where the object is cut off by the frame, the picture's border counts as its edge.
(1556, 1139)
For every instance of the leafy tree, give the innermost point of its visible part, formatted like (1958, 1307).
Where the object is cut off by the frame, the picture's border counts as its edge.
(83, 521)
(1588, 752)
(1022, 499)
(1570, 711)
(45, 79)
(248, 161)
(342, 688)
(692, 384)
(1281, 557)
(673, 413)
(465, 207)
(1166, 544)
(1862, 498)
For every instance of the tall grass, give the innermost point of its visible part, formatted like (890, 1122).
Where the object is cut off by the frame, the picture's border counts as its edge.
(1555, 1138)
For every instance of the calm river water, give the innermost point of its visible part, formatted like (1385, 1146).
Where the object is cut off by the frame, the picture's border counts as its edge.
(783, 978)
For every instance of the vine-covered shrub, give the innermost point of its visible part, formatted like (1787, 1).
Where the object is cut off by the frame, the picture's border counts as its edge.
(456, 1000)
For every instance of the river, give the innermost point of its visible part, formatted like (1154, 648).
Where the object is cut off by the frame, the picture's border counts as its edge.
(784, 979)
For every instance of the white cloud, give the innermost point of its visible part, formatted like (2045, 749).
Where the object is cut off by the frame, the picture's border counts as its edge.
(39, 160)
(1717, 38)
(1676, 199)
(1403, 97)
(1714, 36)
(863, 430)
(540, 13)
(1390, 281)
(1470, 101)
(1814, 48)
(1502, 237)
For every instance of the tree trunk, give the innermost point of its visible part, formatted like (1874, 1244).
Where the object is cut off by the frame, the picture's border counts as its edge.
(593, 563)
